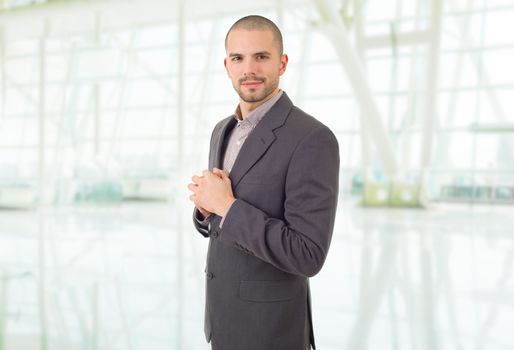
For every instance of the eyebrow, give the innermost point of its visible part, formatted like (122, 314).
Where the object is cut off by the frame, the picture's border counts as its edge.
(262, 53)
(234, 54)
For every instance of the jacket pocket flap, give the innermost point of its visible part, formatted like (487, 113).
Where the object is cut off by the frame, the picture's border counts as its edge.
(267, 291)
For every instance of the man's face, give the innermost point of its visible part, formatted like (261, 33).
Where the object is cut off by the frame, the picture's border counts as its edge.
(254, 63)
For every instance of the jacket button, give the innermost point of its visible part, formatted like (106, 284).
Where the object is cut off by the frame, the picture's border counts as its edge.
(215, 234)
(210, 275)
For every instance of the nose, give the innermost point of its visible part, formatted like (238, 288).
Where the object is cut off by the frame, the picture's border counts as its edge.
(250, 68)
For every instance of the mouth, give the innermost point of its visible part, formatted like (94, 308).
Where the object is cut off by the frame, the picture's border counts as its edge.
(252, 83)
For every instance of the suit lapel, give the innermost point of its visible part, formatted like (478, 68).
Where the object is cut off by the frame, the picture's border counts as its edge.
(215, 160)
(260, 139)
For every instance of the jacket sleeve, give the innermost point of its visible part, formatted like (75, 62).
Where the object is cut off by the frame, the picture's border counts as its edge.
(299, 242)
(202, 225)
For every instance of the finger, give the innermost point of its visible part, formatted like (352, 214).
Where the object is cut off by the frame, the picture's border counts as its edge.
(192, 187)
(224, 175)
(196, 179)
(206, 173)
(219, 172)
(204, 212)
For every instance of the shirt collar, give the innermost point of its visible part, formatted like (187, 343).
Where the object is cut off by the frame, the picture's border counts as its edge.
(255, 116)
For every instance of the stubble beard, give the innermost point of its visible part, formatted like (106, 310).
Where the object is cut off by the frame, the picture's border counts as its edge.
(252, 96)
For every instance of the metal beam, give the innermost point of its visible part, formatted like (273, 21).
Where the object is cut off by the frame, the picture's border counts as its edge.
(2, 72)
(42, 114)
(179, 246)
(398, 39)
(367, 170)
(467, 41)
(431, 89)
(118, 120)
(41, 290)
(96, 95)
(3, 308)
(336, 33)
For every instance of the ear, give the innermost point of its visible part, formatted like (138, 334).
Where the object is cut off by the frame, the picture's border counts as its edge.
(226, 67)
(283, 63)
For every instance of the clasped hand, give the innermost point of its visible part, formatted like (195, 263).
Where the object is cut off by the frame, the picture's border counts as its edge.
(212, 192)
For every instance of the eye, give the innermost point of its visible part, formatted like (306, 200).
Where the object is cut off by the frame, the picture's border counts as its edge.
(262, 57)
(236, 58)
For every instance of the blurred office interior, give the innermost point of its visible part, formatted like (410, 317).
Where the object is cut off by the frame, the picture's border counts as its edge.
(106, 110)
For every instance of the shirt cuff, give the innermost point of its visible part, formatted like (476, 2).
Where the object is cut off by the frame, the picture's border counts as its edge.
(223, 218)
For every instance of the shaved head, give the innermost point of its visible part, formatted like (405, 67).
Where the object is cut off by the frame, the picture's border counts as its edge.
(261, 23)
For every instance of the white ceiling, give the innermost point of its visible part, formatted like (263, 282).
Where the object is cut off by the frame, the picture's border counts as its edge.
(82, 15)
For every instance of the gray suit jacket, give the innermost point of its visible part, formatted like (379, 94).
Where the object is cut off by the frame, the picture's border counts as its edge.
(275, 235)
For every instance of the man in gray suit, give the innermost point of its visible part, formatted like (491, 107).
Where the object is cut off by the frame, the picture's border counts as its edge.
(267, 203)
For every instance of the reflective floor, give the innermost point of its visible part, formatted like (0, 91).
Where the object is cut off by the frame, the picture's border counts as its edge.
(130, 277)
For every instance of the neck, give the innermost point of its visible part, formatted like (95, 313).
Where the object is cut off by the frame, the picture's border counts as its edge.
(248, 107)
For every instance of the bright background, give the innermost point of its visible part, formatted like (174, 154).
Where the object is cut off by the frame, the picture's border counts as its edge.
(106, 109)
